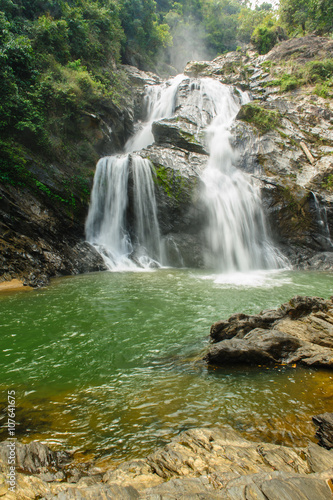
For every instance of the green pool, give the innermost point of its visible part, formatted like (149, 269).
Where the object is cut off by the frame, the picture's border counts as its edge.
(109, 363)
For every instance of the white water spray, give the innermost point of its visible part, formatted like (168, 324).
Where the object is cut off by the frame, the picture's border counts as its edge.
(160, 101)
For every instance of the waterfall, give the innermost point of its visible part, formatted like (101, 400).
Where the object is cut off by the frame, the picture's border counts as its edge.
(160, 102)
(122, 220)
(324, 230)
(236, 233)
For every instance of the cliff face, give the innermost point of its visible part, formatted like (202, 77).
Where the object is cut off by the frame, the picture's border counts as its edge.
(284, 138)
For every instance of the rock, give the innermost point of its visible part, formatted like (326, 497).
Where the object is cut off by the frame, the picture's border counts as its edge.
(322, 261)
(140, 78)
(33, 457)
(324, 433)
(302, 49)
(201, 463)
(180, 133)
(300, 331)
(180, 214)
(39, 241)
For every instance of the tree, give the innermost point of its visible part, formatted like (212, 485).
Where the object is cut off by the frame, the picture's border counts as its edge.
(141, 27)
(267, 34)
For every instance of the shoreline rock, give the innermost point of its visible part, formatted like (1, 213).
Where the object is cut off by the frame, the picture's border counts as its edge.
(198, 463)
(299, 332)
(324, 433)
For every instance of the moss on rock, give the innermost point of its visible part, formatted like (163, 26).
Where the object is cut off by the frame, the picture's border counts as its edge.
(263, 119)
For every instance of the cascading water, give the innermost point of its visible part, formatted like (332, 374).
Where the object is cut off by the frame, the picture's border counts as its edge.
(324, 229)
(236, 233)
(122, 220)
(107, 223)
(127, 235)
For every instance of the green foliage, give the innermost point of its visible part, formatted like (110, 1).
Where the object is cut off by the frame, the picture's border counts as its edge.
(318, 70)
(50, 36)
(43, 82)
(322, 90)
(313, 72)
(249, 19)
(303, 16)
(220, 20)
(327, 182)
(267, 34)
(263, 119)
(143, 32)
(172, 184)
(288, 82)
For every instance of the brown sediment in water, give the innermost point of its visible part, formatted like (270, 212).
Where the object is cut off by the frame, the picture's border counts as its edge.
(13, 286)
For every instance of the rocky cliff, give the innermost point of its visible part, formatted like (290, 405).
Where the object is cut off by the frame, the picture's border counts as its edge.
(284, 139)
(44, 200)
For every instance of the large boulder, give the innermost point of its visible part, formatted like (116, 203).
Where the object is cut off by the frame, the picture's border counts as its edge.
(300, 331)
(180, 208)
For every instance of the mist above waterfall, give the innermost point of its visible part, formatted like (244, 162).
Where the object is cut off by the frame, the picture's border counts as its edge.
(188, 45)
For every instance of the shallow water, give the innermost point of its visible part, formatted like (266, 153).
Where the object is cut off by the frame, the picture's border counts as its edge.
(109, 363)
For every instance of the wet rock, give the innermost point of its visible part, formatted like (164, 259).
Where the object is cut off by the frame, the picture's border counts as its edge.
(140, 78)
(180, 214)
(300, 331)
(322, 261)
(180, 133)
(39, 241)
(324, 433)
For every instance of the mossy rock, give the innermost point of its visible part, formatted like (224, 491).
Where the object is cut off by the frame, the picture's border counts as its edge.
(263, 119)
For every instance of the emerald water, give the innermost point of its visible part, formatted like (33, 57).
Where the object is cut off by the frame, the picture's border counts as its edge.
(109, 363)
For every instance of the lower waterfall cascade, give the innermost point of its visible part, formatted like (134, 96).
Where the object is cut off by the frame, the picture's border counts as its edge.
(122, 221)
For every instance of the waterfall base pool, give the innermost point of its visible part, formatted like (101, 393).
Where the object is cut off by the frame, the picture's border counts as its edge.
(109, 363)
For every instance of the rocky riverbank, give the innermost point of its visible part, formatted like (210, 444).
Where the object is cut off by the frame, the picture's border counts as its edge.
(298, 332)
(197, 464)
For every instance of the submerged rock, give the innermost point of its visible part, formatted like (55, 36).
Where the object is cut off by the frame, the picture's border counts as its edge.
(300, 331)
